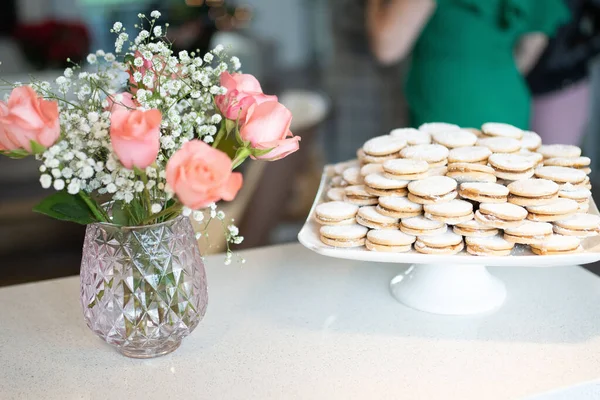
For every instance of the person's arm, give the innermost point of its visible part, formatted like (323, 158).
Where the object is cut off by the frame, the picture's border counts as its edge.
(394, 26)
(528, 51)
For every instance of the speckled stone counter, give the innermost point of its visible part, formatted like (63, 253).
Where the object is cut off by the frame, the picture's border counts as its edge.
(290, 324)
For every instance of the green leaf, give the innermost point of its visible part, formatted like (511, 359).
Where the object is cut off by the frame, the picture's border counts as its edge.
(15, 154)
(65, 207)
(120, 214)
(37, 148)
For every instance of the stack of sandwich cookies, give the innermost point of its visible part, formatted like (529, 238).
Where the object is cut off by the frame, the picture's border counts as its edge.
(496, 129)
(382, 148)
(474, 228)
(338, 181)
(435, 189)
(358, 195)
(562, 175)
(471, 155)
(531, 192)
(454, 139)
(421, 226)
(445, 243)
(412, 136)
(452, 213)
(352, 176)
(580, 225)
(369, 217)
(559, 150)
(466, 172)
(369, 169)
(512, 167)
(398, 207)
(500, 215)
(336, 213)
(379, 185)
(336, 194)
(494, 245)
(339, 168)
(559, 209)
(535, 158)
(484, 192)
(389, 241)
(529, 232)
(436, 155)
(580, 194)
(405, 169)
(530, 141)
(557, 245)
(343, 235)
(437, 171)
(503, 145)
(580, 163)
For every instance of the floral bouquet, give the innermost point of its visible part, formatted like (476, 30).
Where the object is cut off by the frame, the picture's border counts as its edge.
(132, 144)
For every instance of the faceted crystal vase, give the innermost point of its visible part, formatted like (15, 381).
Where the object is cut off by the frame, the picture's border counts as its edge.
(143, 289)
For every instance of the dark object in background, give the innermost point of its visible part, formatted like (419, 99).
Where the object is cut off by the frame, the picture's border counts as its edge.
(565, 60)
(48, 44)
(8, 17)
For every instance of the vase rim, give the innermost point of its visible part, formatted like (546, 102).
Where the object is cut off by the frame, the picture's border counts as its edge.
(135, 227)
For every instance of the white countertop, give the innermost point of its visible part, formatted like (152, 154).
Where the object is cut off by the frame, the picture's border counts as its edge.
(290, 324)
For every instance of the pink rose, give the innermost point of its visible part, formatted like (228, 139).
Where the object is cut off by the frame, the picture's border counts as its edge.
(26, 118)
(200, 175)
(135, 136)
(243, 90)
(267, 126)
(121, 101)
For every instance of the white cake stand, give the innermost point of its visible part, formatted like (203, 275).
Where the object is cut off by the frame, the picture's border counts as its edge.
(450, 285)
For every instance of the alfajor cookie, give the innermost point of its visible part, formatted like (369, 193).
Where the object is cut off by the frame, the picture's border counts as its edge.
(358, 195)
(500, 215)
(465, 172)
(580, 225)
(436, 155)
(336, 213)
(339, 168)
(405, 169)
(489, 246)
(529, 232)
(336, 194)
(433, 127)
(352, 176)
(454, 139)
(389, 241)
(437, 171)
(530, 192)
(580, 163)
(343, 235)
(411, 135)
(371, 169)
(536, 158)
(452, 213)
(483, 192)
(559, 150)
(381, 148)
(561, 175)
(421, 226)
(473, 228)
(338, 181)
(557, 210)
(512, 167)
(530, 140)
(378, 185)
(557, 245)
(473, 155)
(501, 130)
(500, 144)
(476, 131)
(398, 207)
(445, 243)
(435, 189)
(369, 217)
(580, 194)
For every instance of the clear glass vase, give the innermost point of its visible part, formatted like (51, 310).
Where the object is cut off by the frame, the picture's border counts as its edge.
(143, 289)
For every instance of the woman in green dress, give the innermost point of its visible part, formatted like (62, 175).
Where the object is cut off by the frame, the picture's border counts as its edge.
(468, 56)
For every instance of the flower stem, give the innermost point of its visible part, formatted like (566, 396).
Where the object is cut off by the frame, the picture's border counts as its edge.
(220, 134)
(240, 157)
(175, 208)
(93, 207)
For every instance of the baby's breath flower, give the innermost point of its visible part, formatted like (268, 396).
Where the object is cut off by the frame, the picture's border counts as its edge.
(156, 208)
(92, 59)
(117, 27)
(46, 181)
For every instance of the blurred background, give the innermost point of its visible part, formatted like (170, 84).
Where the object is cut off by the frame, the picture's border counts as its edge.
(314, 54)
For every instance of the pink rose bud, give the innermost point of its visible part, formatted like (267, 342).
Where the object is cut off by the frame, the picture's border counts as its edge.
(121, 100)
(267, 126)
(26, 118)
(200, 175)
(135, 136)
(243, 90)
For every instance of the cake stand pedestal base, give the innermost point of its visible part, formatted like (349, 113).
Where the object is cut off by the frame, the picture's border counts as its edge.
(449, 289)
